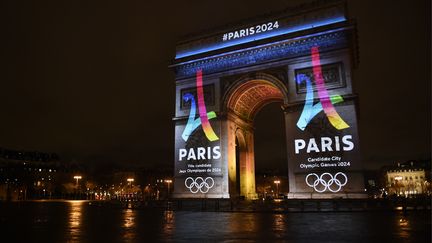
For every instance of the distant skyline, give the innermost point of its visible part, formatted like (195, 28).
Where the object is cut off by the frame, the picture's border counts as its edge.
(90, 80)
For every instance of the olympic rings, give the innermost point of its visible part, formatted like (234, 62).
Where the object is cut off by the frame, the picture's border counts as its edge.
(199, 184)
(326, 180)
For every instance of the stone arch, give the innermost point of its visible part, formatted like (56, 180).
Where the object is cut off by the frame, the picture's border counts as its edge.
(242, 101)
(247, 95)
(229, 104)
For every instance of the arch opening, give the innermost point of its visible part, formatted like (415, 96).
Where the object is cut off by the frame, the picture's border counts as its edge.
(271, 155)
(244, 101)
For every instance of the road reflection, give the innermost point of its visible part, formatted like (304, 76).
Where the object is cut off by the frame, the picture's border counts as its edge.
(404, 227)
(168, 225)
(129, 224)
(75, 219)
(85, 221)
(279, 224)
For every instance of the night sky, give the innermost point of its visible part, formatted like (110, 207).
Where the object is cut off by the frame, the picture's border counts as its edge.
(89, 79)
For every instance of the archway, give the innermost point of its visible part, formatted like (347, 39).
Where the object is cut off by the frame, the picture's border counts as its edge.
(271, 155)
(242, 102)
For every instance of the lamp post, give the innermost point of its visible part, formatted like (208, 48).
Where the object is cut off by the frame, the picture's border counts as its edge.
(169, 181)
(130, 180)
(277, 182)
(77, 178)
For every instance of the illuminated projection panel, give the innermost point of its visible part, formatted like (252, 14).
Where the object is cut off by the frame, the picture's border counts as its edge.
(324, 147)
(198, 160)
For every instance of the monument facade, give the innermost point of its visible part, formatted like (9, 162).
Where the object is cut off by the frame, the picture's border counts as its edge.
(303, 59)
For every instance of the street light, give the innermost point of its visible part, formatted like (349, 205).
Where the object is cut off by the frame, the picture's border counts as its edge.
(77, 178)
(130, 191)
(168, 181)
(277, 182)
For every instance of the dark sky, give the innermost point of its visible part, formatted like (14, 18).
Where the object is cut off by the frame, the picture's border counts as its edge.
(89, 79)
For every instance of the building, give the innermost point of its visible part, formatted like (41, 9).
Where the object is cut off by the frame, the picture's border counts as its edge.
(408, 179)
(27, 174)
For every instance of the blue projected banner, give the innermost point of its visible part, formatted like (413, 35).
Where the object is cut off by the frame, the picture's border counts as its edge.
(260, 31)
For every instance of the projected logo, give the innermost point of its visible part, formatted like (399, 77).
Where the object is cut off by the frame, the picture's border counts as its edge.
(326, 181)
(204, 117)
(199, 184)
(310, 110)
